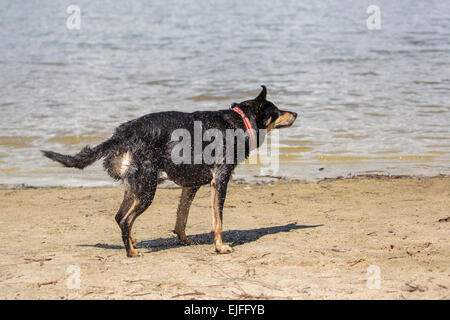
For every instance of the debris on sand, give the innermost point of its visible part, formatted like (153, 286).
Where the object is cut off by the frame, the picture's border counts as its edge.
(414, 287)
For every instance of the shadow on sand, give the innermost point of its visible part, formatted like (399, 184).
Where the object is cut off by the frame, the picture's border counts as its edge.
(234, 237)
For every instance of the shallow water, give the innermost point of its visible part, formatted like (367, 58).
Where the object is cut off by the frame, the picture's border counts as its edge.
(369, 100)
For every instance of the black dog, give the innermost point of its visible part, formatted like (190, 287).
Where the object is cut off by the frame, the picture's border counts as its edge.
(142, 148)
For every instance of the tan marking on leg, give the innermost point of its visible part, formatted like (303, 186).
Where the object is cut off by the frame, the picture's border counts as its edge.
(131, 251)
(134, 242)
(133, 239)
(121, 163)
(213, 196)
(217, 221)
(126, 161)
(182, 215)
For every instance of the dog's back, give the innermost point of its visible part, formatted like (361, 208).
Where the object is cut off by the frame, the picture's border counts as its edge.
(145, 141)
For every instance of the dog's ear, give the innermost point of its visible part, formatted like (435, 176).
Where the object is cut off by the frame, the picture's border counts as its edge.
(262, 94)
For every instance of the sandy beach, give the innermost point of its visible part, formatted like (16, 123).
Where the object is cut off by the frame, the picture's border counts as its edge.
(291, 240)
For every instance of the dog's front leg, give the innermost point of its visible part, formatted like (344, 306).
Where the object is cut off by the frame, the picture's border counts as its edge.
(219, 185)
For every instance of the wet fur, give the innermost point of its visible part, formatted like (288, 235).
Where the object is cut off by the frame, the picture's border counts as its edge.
(140, 149)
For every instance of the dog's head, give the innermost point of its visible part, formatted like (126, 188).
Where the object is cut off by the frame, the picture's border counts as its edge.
(267, 115)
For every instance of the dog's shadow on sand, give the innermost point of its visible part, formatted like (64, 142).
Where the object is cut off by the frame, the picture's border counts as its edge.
(234, 237)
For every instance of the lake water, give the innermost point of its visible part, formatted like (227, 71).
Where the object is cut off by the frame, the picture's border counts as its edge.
(369, 100)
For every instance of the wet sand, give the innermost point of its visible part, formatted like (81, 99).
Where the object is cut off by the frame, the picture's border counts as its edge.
(290, 240)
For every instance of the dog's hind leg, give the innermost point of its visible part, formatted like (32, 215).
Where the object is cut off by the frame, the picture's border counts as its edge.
(219, 185)
(127, 202)
(141, 187)
(187, 196)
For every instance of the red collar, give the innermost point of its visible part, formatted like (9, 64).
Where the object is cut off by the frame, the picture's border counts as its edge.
(248, 126)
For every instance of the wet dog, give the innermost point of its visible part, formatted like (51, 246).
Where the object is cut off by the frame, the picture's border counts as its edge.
(139, 150)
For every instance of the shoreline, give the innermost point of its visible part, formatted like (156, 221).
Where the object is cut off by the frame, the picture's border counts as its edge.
(264, 180)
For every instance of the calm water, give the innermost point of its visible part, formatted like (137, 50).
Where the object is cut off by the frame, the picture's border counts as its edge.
(369, 100)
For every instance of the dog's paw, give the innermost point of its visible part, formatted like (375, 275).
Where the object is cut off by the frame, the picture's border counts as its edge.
(134, 253)
(186, 242)
(224, 249)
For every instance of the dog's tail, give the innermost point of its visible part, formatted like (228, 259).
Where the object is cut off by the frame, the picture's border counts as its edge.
(82, 159)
